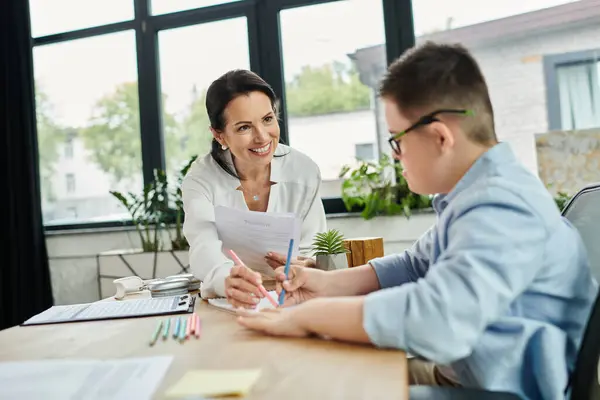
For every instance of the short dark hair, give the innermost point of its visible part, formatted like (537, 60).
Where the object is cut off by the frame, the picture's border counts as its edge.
(221, 92)
(441, 76)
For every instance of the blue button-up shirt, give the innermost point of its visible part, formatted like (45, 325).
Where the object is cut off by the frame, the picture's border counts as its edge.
(499, 289)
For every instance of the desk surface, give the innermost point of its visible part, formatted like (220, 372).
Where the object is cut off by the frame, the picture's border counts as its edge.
(291, 368)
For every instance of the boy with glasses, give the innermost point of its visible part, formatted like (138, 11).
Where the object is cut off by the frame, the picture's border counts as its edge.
(497, 293)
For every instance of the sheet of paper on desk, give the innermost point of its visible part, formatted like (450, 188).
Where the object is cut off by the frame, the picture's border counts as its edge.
(114, 309)
(130, 378)
(253, 234)
(215, 383)
(223, 304)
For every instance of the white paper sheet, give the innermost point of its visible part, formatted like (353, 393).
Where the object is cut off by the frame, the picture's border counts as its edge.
(113, 309)
(253, 234)
(131, 378)
(224, 305)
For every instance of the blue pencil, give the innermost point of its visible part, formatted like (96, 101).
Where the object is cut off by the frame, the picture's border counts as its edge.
(176, 329)
(286, 271)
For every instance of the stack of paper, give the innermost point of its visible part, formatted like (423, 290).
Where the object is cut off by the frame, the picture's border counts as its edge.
(253, 234)
(132, 378)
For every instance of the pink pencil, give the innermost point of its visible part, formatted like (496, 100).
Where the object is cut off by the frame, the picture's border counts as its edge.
(194, 319)
(260, 287)
(197, 325)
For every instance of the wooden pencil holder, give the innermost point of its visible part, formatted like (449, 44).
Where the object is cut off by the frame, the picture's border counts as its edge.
(363, 250)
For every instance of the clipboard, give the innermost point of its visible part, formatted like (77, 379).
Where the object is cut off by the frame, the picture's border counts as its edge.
(105, 310)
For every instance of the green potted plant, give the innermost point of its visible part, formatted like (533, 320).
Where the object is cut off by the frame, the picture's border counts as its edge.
(368, 187)
(148, 211)
(151, 216)
(329, 250)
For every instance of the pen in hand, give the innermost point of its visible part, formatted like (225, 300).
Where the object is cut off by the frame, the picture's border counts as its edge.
(286, 271)
(260, 287)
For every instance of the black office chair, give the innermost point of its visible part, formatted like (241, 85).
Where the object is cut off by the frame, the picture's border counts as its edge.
(583, 211)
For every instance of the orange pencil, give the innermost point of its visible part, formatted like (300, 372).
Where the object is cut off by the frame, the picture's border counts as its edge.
(260, 287)
(193, 330)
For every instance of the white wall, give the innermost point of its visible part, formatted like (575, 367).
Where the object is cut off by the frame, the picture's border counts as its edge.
(73, 265)
(514, 72)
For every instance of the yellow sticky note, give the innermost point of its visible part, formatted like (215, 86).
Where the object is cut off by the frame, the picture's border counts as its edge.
(215, 383)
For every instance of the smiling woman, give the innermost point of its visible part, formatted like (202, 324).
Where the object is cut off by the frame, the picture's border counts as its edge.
(247, 168)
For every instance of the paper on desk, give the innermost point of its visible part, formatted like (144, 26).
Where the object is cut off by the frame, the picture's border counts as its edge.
(215, 383)
(253, 234)
(223, 304)
(131, 378)
(114, 309)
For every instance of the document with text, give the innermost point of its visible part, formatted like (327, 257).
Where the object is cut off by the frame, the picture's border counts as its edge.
(117, 379)
(253, 234)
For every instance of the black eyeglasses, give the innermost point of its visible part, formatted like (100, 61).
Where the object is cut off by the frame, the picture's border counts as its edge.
(424, 120)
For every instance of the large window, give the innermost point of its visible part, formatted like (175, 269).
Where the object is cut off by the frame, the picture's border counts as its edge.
(512, 40)
(169, 6)
(84, 102)
(56, 16)
(331, 73)
(186, 74)
(120, 88)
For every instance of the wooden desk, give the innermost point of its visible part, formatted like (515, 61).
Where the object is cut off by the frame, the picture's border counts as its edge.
(291, 368)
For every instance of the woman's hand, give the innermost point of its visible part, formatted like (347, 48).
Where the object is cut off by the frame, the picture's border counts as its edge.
(276, 260)
(241, 287)
(276, 322)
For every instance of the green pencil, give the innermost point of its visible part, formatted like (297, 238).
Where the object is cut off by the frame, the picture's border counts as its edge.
(156, 333)
(166, 331)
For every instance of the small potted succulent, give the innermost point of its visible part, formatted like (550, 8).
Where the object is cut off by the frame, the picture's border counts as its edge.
(328, 247)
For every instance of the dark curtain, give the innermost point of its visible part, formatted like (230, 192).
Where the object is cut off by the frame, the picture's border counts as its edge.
(24, 275)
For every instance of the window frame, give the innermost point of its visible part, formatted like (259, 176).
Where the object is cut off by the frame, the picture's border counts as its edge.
(266, 59)
(551, 64)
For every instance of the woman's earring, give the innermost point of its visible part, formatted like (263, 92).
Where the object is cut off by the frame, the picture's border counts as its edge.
(223, 147)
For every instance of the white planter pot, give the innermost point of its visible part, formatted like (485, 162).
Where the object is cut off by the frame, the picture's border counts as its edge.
(122, 263)
(332, 262)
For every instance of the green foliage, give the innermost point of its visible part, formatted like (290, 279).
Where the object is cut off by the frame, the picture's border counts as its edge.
(148, 210)
(326, 89)
(330, 242)
(193, 134)
(113, 134)
(561, 199)
(155, 208)
(49, 135)
(369, 188)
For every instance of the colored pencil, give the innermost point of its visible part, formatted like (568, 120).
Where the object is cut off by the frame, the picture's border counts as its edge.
(182, 329)
(156, 333)
(188, 329)
(176, 329)
(194, 320)
(166, 331)
(197, 326)
(286, 271)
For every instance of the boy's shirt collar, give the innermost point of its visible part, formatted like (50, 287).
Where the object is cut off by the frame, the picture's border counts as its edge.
(497, 155)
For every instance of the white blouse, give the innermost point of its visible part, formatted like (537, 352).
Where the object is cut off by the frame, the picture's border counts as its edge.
(296, 190)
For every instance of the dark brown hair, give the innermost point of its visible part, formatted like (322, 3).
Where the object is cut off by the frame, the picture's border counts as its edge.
(220, 93)
(441, 76)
